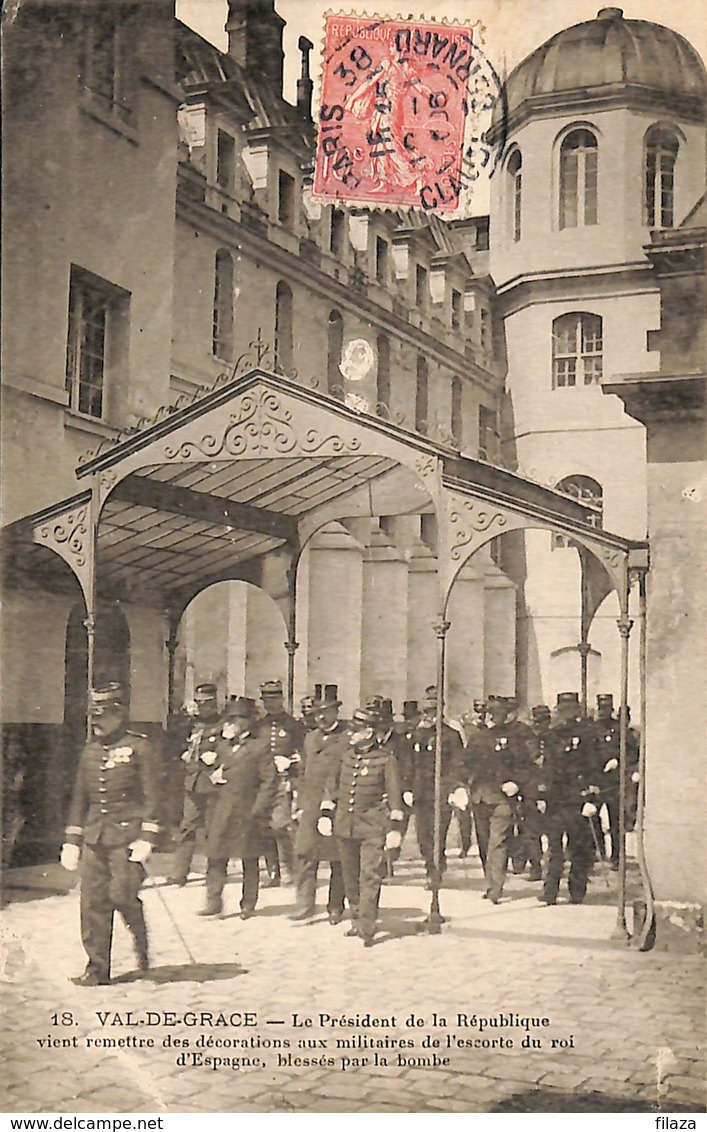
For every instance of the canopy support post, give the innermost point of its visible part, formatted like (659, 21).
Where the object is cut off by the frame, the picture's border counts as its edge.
(625, 624)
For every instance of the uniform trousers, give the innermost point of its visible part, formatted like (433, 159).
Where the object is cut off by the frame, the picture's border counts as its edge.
(612, 811)
(216, 873)
(494, 827)
(307, 885)
(465, 823)
(425, 828)
(110, 883)
(567, 821)
(194, 818)
(363, 865)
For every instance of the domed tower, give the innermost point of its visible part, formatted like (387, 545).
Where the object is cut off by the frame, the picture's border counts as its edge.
(605, 143)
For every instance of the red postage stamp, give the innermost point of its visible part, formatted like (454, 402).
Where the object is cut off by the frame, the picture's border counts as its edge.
(393, 112)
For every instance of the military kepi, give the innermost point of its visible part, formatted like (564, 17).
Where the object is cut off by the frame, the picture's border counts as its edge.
(271, 688)
(567, 698)
(108, 695)
(205, 692)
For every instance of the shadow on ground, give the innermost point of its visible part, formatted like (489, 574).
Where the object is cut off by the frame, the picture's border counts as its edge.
(185, 973)
(545, 1100)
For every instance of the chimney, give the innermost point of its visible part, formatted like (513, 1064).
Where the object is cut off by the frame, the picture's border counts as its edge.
(255, 39)
(305, 85)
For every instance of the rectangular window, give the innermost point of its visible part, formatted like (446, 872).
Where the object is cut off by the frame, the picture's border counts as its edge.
(457, 309)
(590, 187)
(488, 433)
(93, 307)
(337, 232)
(103, 60)
(568, 190)
(382, 254)
(286, 198)
(565, 371)
(225, 161)
(422, 287)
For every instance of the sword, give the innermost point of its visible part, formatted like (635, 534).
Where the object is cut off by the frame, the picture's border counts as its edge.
(151, 885)
(600, 858)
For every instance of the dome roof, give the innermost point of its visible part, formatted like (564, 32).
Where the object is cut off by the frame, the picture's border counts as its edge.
(606, 56)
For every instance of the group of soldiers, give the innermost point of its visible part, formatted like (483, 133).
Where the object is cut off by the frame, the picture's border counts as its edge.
(261, 784)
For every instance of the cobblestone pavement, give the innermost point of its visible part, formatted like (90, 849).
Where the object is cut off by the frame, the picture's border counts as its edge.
(625, 1030)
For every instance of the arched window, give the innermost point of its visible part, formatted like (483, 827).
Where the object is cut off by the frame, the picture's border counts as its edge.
(422, 395)
(457, 411)
(586, 490)
(576, 350)
(283, 327)
(335, 346)
(222, 330)
(383, 375)
(578, 179)
(660, 156)
(515, 194)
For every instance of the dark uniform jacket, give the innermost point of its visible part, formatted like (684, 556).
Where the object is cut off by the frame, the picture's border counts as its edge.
(321, 756)
(570, 773)
(201, 755)
(284, 736)
(365, 788)
(500, 754)
(423, 761)
(117, 792)
(239, 822)
(606, 738)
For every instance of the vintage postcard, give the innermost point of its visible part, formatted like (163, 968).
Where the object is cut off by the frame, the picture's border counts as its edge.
(353, 506)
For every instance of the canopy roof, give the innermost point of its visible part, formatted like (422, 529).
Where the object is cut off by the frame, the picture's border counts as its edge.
(204, 491)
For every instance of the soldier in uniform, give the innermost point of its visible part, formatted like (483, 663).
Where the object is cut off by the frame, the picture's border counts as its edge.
(238, 824)
(307, 704)
(322, 752)
(533, 820)
(363, 808)
(404, 737)
(606, 734)
(285, 735)
(199, 759)
(569, 795)
(500, 769)
(423, 784)
(113, 825)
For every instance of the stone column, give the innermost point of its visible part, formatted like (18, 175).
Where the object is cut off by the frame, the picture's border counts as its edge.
(335, 613)
(384, 622)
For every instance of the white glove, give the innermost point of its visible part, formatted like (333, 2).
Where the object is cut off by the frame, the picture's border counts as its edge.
(297, 815)
(282, 763)
(217, 777)
(70, 857)
(408, 798)
(588, 810)
(295, 757)
(611, 765)
(510, 788)
(184, 756)
(541, 805)
(209, 757)
(229, 731)
(139, 850)
(393, 839)
(635, 777)
(459, 798)
(324, 826)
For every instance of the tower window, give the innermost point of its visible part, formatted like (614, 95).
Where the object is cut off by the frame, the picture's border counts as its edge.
(95, 308)
(586, 490)
(222, 329)
(576, 350)
(578, 179)
(515, 174)
(660, 156)
(283, 327)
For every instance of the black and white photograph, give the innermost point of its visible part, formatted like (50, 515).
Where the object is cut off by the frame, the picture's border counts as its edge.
(354, 483)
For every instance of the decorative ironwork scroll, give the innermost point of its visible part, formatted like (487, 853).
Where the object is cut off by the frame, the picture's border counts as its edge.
(69, 535)
(470, 519)
(260, 425)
